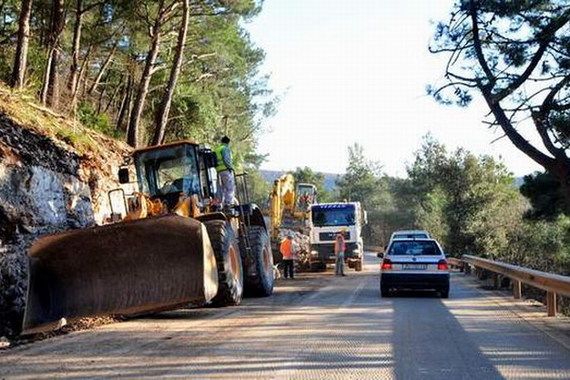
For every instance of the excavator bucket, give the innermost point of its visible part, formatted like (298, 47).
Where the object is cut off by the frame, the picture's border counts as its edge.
(126, 268)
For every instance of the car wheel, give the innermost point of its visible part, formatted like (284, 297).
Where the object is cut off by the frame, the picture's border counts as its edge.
(384, 291)
(444, 293)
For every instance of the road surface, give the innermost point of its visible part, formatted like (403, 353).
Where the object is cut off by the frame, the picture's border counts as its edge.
(316, 326)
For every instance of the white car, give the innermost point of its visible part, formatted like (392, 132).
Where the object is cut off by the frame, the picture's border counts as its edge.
(414, 264)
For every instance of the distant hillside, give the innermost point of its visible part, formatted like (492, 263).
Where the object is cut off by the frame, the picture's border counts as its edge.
(272, 175)
(330, 178)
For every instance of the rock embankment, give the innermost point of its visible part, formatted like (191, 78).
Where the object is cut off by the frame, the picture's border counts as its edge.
(46, 185)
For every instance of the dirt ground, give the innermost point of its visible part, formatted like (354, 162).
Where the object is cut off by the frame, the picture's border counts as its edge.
(318, 326)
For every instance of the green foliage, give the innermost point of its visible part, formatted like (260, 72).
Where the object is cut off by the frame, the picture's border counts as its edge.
(97, 121)
(469, 203)
(259, 188)
(364, 182)
(220, 90)
(544, 193)
(542, 245)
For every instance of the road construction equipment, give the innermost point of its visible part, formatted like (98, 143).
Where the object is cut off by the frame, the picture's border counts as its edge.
(289, 206)
(173, 247)
(326, 221)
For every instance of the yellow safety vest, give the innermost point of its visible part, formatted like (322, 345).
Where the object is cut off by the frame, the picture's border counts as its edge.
(221, 164)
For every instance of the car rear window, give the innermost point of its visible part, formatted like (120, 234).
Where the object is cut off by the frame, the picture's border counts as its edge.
(410, 236)
(413, 248)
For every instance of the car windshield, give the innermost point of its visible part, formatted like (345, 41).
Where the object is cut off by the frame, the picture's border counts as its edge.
(333, 215)
(411, 236)
(414, 248)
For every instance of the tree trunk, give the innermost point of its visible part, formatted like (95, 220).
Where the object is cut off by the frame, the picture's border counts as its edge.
(50, 94)
(81, 77)
(45, 86)
(114, 95)
(142, 91)
(164, 110)
(21, 57)
(74, 69)
(562, 172)
(102, 70)
(125, 104)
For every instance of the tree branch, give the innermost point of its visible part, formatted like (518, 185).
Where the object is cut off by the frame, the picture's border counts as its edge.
(544, 37)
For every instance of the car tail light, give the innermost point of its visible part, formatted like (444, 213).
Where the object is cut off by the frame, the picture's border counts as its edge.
(386, 264)
(442, 265)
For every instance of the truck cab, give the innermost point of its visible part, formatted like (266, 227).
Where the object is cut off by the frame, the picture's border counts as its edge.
(326, 220)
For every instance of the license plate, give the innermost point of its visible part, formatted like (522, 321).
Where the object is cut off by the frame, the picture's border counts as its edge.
(414, 266)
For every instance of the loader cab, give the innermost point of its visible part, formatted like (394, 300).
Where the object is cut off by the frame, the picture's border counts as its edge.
(166, 171)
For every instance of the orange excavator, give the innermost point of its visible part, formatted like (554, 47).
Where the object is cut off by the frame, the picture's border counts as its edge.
(174, 247)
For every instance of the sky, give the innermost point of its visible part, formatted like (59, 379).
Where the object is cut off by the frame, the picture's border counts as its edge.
(356, 71)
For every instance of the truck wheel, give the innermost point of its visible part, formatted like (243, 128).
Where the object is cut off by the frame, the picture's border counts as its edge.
(228, 261)
(318, 266)
(259, 278)
(358, 265)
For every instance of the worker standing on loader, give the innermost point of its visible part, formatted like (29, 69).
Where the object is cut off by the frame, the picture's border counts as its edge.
(287, 249)
(225, 171)
(339, 248)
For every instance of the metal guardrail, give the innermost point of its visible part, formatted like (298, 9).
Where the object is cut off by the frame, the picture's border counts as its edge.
(452, 261)
(553, 284)
(373, 248)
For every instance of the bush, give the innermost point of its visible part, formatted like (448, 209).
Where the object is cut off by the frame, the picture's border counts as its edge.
(100, 122)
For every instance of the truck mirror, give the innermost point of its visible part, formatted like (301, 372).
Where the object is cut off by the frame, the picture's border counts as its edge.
(380, 255)
(124, 175)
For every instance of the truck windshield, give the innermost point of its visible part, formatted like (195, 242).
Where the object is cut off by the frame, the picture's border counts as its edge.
(333, 215)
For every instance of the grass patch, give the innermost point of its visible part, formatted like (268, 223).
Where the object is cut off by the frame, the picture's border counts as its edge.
(23, 108)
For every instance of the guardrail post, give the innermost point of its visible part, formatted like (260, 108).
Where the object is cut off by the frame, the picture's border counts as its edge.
(517, 289)
(497, 281)
(551, 304)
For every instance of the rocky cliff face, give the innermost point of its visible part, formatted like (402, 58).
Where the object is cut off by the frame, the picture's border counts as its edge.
(46, 186)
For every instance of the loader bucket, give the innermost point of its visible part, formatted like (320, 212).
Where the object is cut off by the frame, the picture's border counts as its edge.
(126, 268)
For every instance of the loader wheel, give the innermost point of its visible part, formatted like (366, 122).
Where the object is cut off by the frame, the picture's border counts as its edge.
(260, 282)
(228, 261)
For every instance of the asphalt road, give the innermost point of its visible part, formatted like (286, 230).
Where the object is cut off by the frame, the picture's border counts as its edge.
(317, 326)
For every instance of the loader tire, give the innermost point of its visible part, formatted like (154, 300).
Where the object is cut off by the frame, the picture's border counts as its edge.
(260, 279)
(228, 262)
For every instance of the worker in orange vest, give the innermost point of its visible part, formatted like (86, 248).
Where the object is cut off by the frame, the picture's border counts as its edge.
(287, 249)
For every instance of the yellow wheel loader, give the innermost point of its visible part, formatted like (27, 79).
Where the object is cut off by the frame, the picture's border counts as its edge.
(174, 247)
